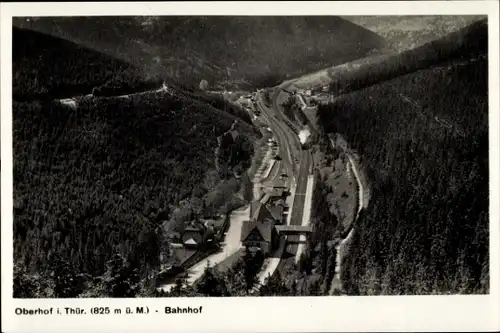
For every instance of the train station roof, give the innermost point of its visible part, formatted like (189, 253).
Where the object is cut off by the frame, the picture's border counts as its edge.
(293, 228)
(258, 229)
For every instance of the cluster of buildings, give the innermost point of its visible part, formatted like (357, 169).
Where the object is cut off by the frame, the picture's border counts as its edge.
(258, 233)
(197, 232)
(185, 245)
(314, 91)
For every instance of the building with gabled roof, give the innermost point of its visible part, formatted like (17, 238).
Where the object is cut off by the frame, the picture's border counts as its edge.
(191, 242)
(274, 190)
(261, 212)
(265, 214)
(196, 234)
(259, 231)
(259, 234)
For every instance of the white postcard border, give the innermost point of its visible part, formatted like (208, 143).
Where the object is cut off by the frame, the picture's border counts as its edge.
(290, 314)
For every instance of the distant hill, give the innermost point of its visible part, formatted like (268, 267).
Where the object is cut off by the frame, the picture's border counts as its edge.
(406, 32)
(468, 42)
(423, 139)
(48, 67)
(226, 51)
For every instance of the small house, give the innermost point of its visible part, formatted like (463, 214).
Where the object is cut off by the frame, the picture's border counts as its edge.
(193, 235)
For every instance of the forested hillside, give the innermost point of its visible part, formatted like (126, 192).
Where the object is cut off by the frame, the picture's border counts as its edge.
(423, 139)
(103, 180)
(40, 72)
(470, 41)
(98, 187)
(229, 51)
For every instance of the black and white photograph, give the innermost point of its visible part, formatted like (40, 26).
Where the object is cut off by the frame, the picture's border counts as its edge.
(175, 156)
(250, 156)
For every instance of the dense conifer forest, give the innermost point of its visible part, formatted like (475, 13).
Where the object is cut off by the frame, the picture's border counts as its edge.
(40, 72)
(99, 186)
(468, 42)
(227, 51)
(423, 139)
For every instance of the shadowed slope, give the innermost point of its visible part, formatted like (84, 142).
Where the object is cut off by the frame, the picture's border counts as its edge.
(423, 138)
(227, 51)
(471, 41)
(48, 67)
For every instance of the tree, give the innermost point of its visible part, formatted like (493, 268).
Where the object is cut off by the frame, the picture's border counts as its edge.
(315, 288)
(267, 97)
(177, 290)
(67, 282)
(247, 188)
(274, 286)
(293, 289)
(235, 279)
(251, 266)
(248, 269)
(303, 261)
(29, 286)
(289, 107)
(211, 283)
(182, 289)
(120, 279)
(306, 262)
